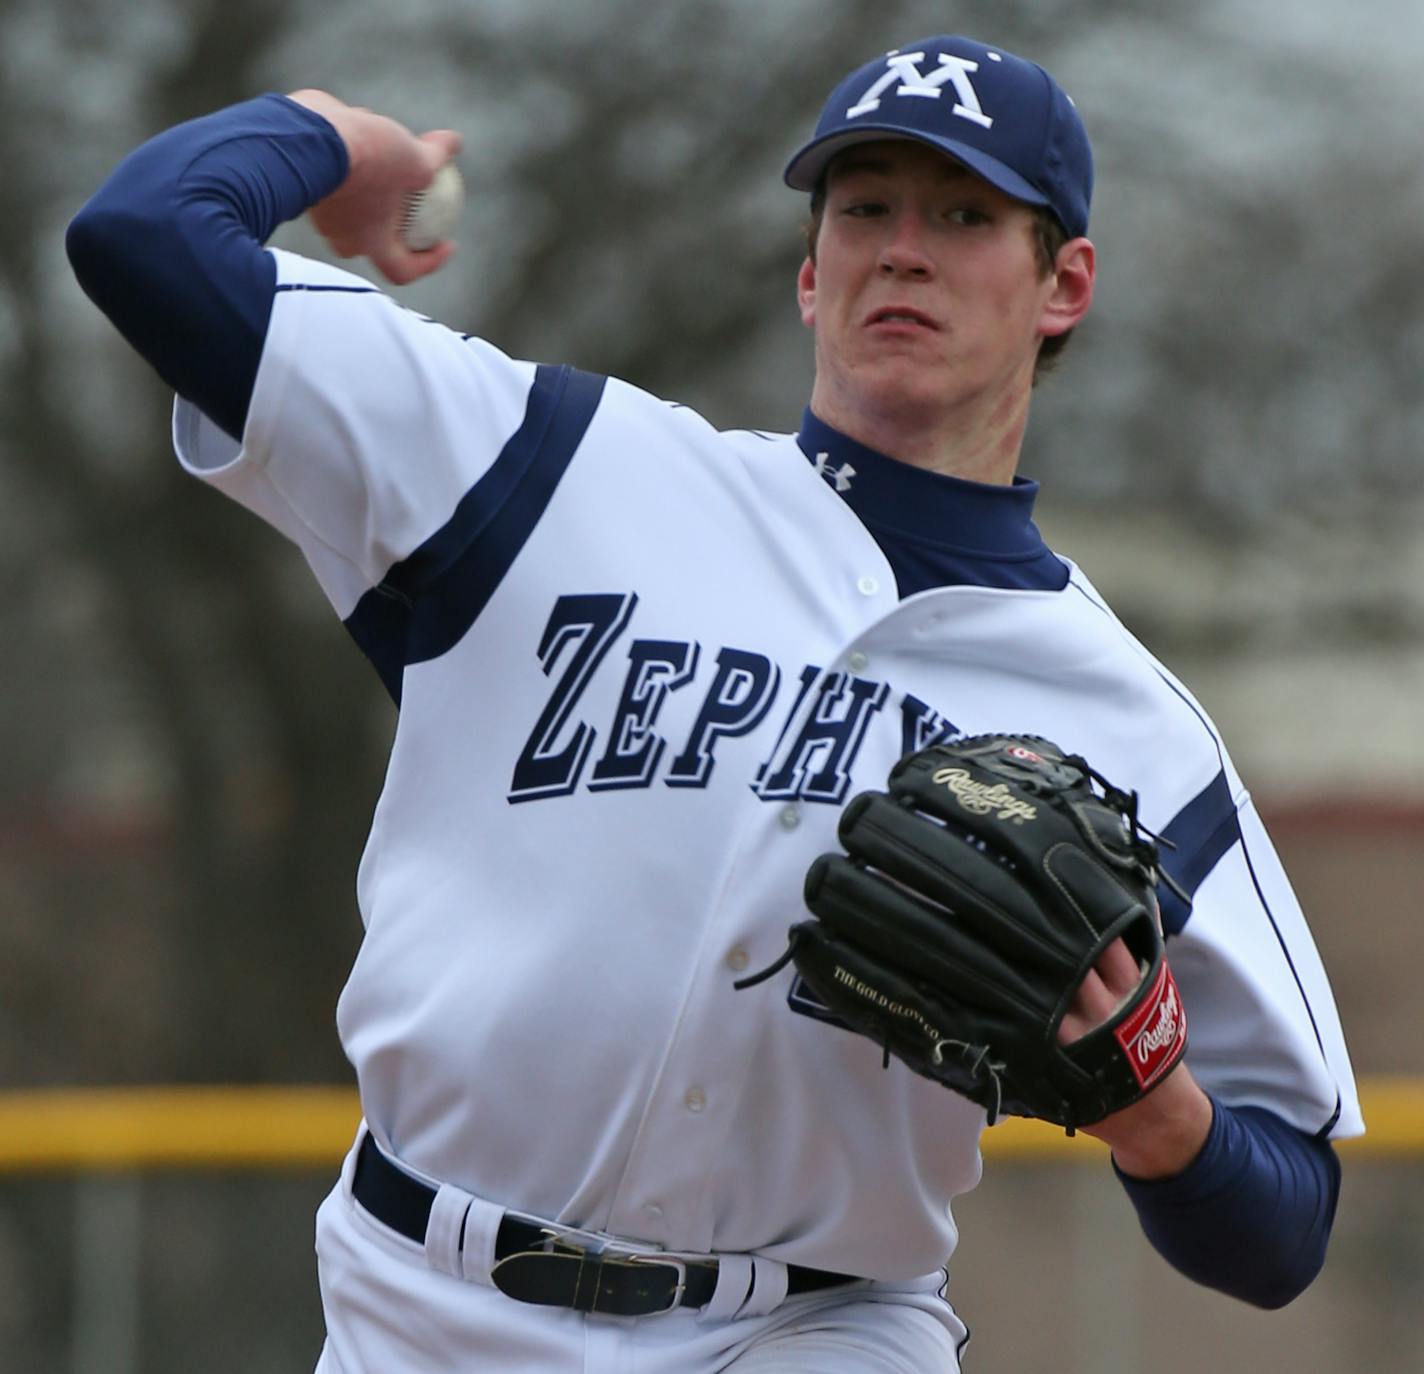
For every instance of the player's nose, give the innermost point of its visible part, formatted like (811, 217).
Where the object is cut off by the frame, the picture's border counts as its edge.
(903, 254)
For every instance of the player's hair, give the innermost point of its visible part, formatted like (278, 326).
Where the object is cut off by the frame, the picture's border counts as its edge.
(1048, 237)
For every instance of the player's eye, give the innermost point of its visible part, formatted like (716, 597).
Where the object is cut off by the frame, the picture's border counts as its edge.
(968, 216)
(864, 208)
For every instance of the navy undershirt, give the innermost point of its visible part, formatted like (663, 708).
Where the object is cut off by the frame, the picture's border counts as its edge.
(170, 248)
(936, 530)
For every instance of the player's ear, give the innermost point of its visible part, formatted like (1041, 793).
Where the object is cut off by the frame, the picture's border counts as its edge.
(806, 292)
(1073, 276)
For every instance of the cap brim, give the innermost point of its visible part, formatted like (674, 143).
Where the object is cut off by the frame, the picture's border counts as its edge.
(806, 169)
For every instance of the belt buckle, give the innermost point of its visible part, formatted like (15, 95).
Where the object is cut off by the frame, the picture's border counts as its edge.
(679, 1267)
(597, 1250)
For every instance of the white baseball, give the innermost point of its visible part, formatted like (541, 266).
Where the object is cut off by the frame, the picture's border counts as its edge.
(430, 215)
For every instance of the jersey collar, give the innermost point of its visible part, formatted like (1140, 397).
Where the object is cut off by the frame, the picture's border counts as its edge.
(971, 517)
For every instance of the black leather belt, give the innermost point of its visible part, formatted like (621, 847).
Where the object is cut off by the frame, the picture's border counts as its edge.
(537, 1264)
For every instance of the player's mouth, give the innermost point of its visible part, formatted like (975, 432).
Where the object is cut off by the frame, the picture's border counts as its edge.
(899, 317)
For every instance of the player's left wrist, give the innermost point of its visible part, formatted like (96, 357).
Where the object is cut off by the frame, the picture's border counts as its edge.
(1161, 1135)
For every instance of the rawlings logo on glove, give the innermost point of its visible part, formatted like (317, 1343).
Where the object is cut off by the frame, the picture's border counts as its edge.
(973, 898)
(1151, 1038)
(981, 800)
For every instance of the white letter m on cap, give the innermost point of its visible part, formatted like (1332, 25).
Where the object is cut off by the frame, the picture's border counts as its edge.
(952, 71)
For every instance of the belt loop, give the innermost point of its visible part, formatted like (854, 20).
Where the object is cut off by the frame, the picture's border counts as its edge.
(348, 1165)
(769, 1280)
(445, 1229)
(734, 1283)
(481, 1231)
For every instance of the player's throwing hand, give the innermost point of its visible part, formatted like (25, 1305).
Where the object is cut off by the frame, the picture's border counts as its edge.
(388, 163)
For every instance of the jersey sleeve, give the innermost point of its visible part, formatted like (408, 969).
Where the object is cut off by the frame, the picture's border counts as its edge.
(1262, 1025)
(369, 424)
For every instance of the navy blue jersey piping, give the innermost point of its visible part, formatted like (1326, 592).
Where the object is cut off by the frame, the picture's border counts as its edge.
(427, 602)
(1195, 839)
(1245, 852)
(327, 286)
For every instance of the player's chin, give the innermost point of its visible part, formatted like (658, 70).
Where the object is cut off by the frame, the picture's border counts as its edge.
(906, 391)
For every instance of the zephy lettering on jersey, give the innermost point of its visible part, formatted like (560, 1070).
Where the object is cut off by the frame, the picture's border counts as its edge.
(903, 67)
(812, 759)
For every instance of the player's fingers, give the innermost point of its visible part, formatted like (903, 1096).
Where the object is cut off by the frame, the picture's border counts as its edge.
(343, 245)
(1092, 1004)
(401, 265)
(441, 146)
(433, 259)
(1108, 984)
(1118, 970)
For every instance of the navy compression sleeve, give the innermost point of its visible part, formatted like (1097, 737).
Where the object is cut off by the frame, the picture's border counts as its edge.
(1252, 1214)
(170, 246)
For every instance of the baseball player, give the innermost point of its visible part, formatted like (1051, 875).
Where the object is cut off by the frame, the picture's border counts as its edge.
(643, 667)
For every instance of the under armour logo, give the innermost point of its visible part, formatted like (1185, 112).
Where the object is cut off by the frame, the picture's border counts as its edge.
(840, 476)
(901, 67)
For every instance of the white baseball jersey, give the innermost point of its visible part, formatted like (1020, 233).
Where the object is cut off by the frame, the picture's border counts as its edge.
(641, 666)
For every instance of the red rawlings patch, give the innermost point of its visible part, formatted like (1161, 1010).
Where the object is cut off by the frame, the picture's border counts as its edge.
(1155, 1035)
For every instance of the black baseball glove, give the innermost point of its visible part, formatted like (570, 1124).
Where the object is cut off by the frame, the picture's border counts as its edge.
(971, 902)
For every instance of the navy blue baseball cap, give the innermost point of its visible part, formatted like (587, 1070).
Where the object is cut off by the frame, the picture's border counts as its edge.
(1001, 116)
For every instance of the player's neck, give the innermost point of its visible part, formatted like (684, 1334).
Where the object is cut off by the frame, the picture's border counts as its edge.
(978, 442)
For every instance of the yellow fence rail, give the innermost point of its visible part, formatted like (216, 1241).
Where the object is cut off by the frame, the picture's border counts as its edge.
(69, 1130)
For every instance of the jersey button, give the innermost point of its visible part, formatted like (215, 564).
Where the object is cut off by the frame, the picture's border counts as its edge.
(867, 585)
(857, 662)
(790, 817)
(695, 1100)
(737, 959)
